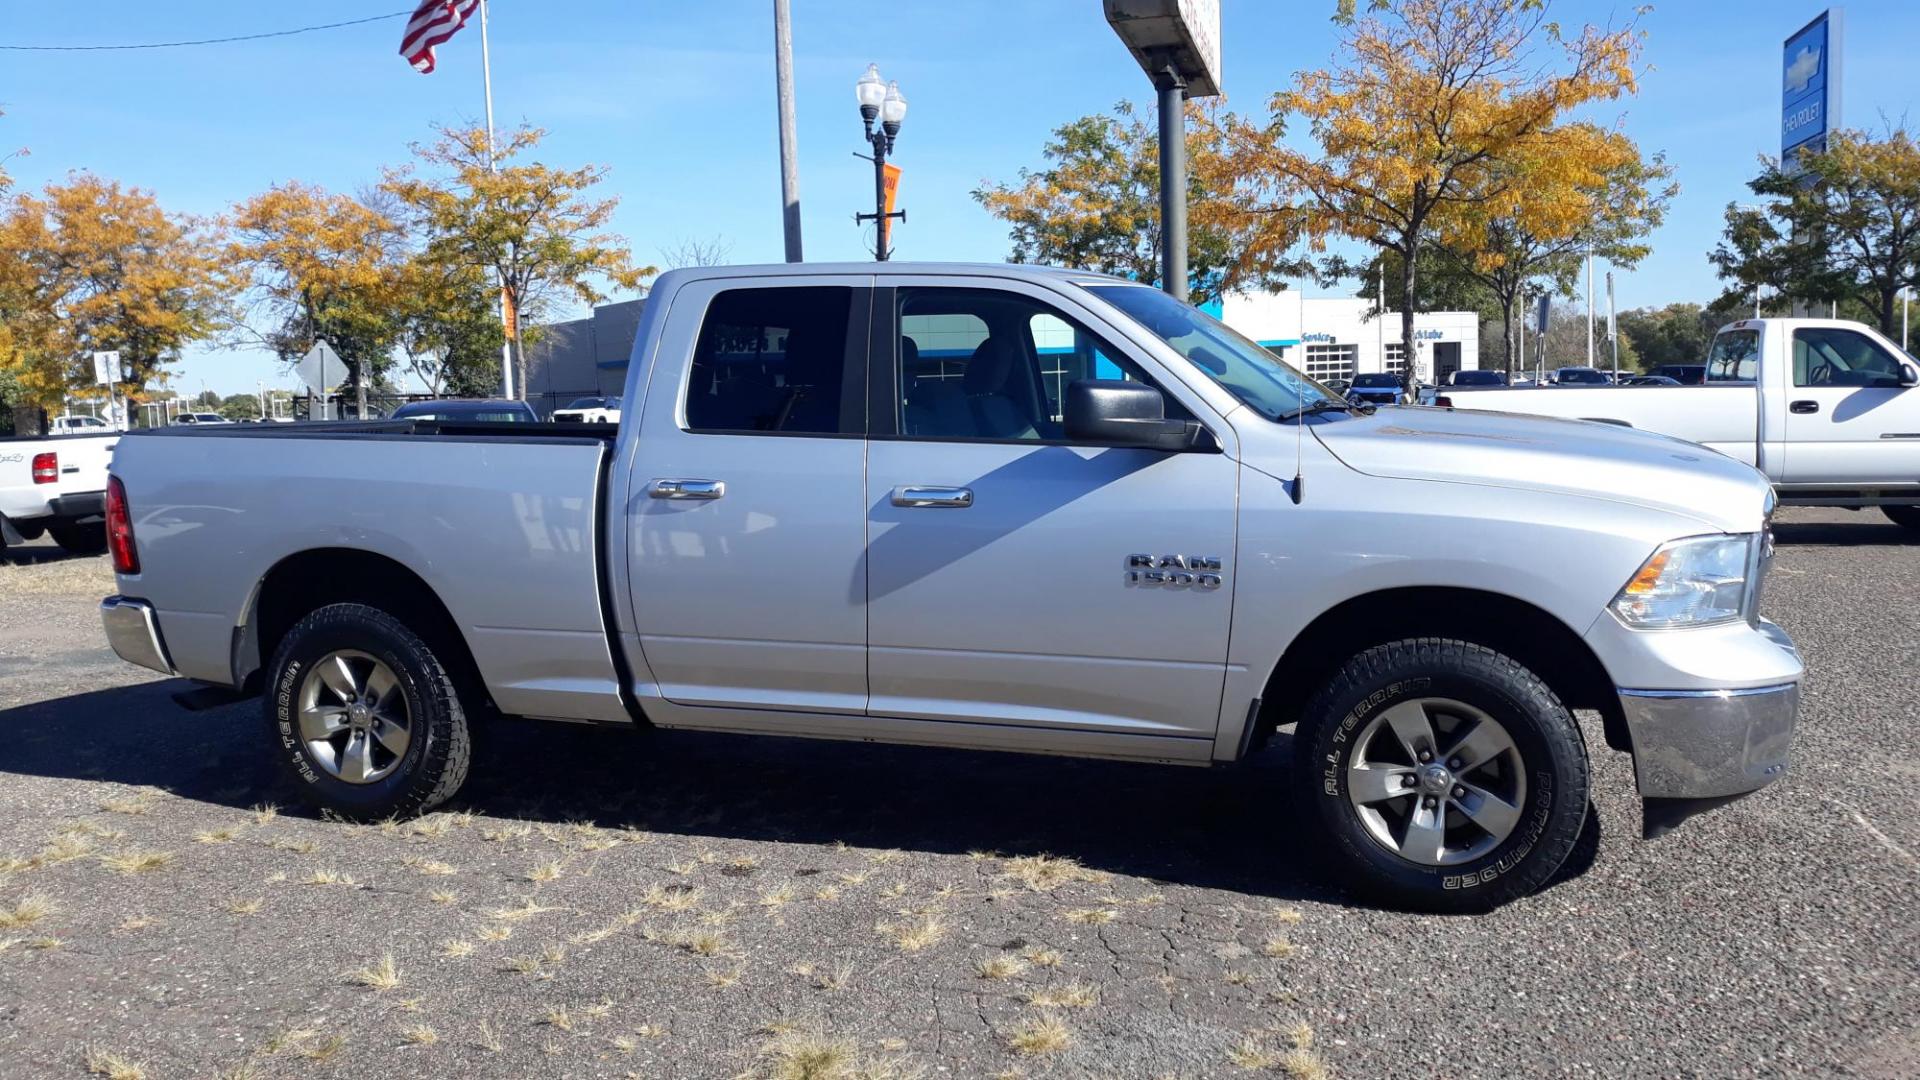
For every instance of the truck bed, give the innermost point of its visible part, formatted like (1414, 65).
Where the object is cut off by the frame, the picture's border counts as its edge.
(502, 522)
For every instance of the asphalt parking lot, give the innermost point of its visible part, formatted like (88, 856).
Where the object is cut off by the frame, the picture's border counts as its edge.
(609, 904)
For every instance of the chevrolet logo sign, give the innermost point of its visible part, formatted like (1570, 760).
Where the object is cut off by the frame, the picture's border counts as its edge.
(1806, 64)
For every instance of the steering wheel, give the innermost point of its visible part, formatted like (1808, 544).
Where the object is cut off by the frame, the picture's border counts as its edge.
(1822, 374)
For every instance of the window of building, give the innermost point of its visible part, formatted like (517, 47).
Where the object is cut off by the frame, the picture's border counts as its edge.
(1325, 362)
(985, 364)
(1396, 357)
(773, 360)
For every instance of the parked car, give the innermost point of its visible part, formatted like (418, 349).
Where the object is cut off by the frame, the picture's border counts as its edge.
(55, 485)
(1581, 376)
(1338, 386)
(201, 418)
(469, 410)
(1648, 380)
(1163, 544)
(1476, 378)
(1684, 374)
(589, 410)
(1377, 388)
(78, 424)
(1827, 409)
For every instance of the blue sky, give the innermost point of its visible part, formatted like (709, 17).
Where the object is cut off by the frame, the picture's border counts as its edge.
(678, 99)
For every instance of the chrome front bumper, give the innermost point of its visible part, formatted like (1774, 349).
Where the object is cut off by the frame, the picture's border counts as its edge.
(134, 633)
(1707, 744)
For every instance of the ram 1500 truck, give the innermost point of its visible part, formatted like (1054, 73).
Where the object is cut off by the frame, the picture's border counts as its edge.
(997, 507)
(55, 485)
(1826, 408)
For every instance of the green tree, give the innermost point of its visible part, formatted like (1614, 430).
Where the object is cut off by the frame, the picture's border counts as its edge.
(450, 330)
(1096, 205)
(538, 230)
(1674, 334)
(1844, 228)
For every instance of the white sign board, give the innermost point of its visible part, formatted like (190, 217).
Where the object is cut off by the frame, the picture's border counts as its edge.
(1182, 33)
(322, 368)
(106, 367)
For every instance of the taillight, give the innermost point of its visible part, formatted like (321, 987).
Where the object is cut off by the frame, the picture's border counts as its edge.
(126, 559)
(1443, 402)
(46, 468)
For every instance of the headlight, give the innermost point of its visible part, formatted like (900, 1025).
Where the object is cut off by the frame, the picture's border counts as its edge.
(1694, 582)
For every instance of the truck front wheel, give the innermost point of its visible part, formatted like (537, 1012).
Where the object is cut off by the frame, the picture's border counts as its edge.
(1903, 515)
(1445, 775)
(364, 716)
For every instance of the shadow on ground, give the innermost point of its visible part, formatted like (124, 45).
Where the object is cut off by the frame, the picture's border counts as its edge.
(1228, 828)
(1864, 528)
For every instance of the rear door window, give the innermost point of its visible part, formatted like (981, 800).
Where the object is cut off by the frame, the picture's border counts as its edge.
(1734, 357)
(775, 360)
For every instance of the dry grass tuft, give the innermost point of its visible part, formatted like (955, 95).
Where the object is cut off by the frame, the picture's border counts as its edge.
(135, 806)
(298, 847)
(419, 1035)
(135, 922)
(25, 912)
(775, 899)
(113, 1065)
(1278, 947)
(137, 861)
(558, 1017)
(671, 897)
(1001, 967)
(1044, 1034)
(919, 934)
(324, 1050)
(443, 896)
(1039, 957)
(489, 1038)
(430, 867)
(720, 980)
(500, 834)
(1303, 1064)
(329, 877)
(495, 933)
(1073, 995)
(456, 947)
(223, 835)
(701, 942)
(525, 911)
(383, 976)
(1094, 916)
(264, 813)
(546, 871)
(1251, 1055)
(1045, 873)
(246, 907)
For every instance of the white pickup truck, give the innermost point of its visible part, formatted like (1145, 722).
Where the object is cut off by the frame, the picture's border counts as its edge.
(1828, 409)
(55, 485)
(993, 507)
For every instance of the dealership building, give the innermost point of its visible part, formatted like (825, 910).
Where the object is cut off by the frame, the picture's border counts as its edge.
(1334, 337)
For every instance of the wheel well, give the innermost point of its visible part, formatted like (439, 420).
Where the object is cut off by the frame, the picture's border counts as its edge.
(302, 583)
(1547, 646)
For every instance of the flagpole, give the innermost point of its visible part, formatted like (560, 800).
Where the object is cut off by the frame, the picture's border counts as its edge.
(506, 321)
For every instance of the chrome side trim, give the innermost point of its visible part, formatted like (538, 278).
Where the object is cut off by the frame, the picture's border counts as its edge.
(134, 632)
(1748, 692)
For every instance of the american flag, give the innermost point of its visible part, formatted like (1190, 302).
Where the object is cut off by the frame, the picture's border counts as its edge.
(432, 24)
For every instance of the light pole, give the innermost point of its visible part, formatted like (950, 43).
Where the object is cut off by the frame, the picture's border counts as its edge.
(880, 100)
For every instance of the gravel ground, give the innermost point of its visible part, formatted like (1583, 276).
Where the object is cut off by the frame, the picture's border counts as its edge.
(669, 905)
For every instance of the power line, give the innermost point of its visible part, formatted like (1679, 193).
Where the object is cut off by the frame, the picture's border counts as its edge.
(203, 41)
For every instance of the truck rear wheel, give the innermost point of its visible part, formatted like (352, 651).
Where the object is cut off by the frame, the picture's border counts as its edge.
(367, 720)
(1446, 776)
(1903, 515)
(82, 539)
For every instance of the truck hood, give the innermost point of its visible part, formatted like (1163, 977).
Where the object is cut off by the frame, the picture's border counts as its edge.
(1575, 457)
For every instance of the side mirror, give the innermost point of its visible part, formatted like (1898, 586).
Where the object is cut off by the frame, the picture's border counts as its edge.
(1909, 375)
(1116, 412)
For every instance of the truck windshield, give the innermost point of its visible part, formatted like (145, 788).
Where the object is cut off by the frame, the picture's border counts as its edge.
(1259, 379)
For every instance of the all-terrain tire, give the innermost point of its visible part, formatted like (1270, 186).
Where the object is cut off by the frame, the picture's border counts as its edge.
(440, 746)
(1549, 759)
(88, 538)
(1908, 516)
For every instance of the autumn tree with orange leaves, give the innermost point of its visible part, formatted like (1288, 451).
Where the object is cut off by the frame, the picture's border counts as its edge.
(90, 265)
(1425, 122)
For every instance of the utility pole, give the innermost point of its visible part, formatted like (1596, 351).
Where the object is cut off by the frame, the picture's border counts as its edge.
(789, 166)
(507, 313)
(1613, 329)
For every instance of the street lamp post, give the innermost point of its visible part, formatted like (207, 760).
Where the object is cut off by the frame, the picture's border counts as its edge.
(880, 100)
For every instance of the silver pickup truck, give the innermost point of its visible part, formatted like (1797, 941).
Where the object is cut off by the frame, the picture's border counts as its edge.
(994, 507)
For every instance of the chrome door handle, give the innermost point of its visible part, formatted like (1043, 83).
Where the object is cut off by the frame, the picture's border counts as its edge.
(687, 489)
(1804, 407)
(917, 495)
